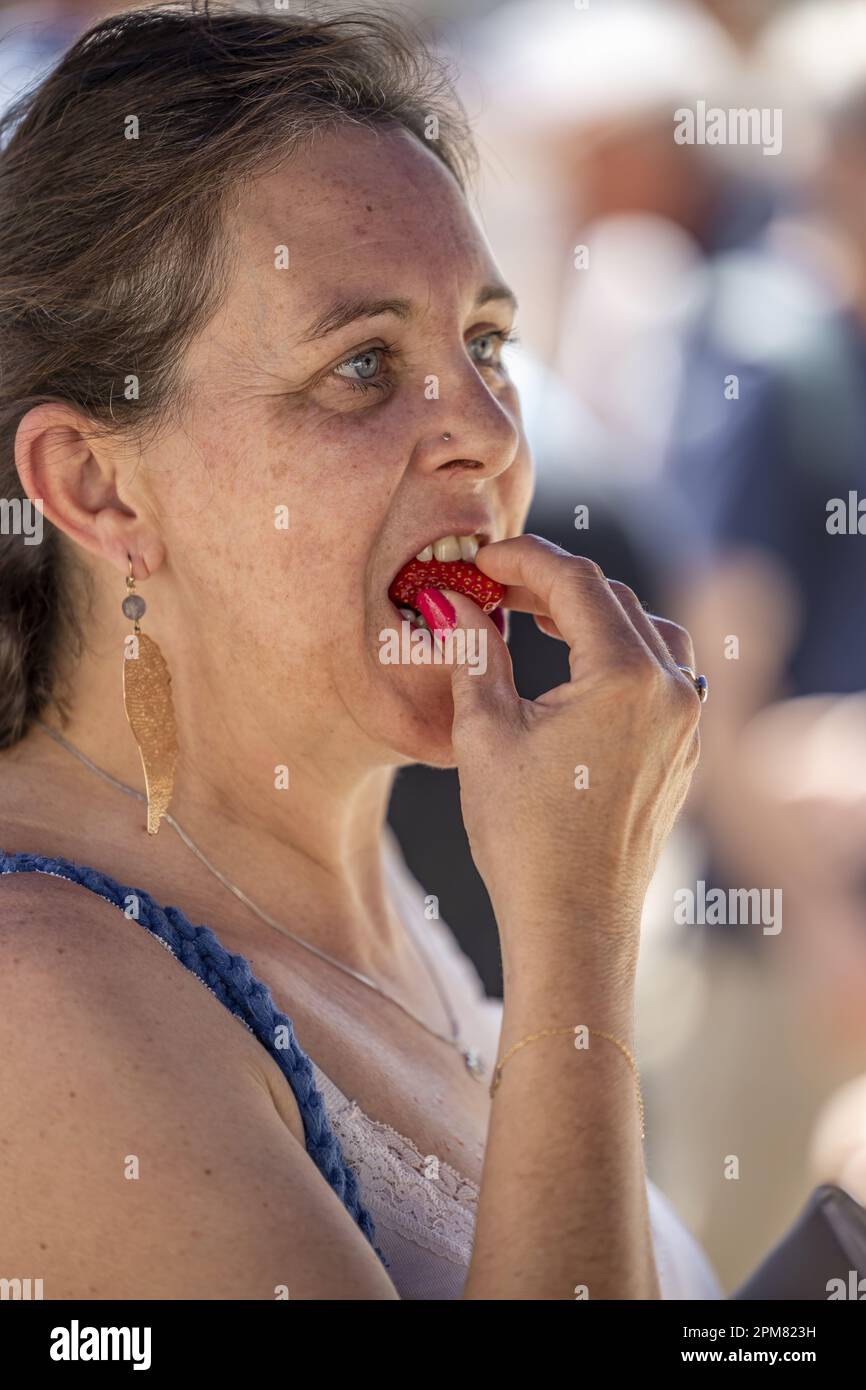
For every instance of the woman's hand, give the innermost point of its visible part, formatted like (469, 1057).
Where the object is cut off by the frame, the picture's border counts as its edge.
(568, 799)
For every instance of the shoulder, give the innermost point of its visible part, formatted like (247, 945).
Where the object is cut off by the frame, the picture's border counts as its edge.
(103, 975)
(144, 1153)
(43, 916)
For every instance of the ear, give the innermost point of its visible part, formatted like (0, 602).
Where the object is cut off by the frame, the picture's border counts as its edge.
(84, 485)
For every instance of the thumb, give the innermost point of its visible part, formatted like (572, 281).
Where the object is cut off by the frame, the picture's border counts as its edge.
(482, 677)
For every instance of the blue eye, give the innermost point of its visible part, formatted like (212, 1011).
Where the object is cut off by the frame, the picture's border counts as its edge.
(363, 370)
(491, 345)
(366, 370)
(366, 364)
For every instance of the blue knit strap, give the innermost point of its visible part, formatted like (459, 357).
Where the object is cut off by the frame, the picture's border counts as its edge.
(230, 978)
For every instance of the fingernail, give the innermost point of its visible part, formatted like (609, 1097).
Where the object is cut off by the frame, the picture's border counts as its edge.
(436, 610)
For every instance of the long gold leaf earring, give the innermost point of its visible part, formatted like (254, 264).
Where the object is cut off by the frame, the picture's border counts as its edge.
(149, 709)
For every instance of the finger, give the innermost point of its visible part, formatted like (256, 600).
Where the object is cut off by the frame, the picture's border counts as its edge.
(482, 688)
(671, 643)
(572, 591)
(644, 623)
(548, 626)
(522, 600)
(677, 639)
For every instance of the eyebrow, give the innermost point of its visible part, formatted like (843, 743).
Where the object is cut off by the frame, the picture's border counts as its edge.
(347, 311)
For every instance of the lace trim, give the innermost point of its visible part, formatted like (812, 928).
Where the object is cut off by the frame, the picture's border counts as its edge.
(424, 1199)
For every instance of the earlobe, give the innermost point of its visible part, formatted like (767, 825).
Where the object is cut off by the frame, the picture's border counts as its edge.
(71, 474)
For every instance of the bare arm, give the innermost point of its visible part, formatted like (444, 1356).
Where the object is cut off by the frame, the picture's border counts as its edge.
(563, 1196)
(567, 862)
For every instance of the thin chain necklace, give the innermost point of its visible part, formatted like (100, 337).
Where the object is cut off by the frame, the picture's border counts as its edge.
(473, 1061)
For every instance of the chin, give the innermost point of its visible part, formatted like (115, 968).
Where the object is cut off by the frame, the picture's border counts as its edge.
(414, 717)
(416, 710)
(410, 709)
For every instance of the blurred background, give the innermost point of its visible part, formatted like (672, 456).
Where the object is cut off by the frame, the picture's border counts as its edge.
(692, 367)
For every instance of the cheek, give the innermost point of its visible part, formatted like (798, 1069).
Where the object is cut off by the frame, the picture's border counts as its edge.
(300, 514)
(339, 489)
(339, 469)
(284, 543)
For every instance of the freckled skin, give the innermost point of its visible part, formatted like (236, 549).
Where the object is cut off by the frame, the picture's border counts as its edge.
(269, 424)
(358, 471)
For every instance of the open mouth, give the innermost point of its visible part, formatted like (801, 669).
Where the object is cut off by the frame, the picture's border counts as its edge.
(447, 563)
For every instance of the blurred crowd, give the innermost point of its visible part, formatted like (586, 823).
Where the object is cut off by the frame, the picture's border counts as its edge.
(695, 378)
(693, 371)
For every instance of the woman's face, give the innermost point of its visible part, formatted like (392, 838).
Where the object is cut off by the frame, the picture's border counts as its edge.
(364, 322)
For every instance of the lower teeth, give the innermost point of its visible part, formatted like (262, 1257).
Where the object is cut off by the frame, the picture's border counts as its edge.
(412, 617)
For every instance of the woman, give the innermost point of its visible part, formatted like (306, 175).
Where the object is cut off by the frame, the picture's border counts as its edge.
(252, 365)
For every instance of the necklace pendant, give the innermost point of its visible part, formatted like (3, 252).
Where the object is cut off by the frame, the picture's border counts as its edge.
(474, 1064)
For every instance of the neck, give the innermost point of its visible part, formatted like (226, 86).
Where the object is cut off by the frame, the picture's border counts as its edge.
(309, 854)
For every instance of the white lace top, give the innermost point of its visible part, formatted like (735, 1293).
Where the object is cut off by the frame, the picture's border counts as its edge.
(422, 1208)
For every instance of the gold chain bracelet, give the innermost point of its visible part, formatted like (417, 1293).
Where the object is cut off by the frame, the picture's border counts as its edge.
(553, 1032)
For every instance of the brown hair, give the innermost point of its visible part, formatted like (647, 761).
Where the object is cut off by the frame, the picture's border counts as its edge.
(113, 250)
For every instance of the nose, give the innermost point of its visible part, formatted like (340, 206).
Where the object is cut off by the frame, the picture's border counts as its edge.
(468, 427)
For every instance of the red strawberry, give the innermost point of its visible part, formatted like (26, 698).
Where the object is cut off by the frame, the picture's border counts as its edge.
(460, 575)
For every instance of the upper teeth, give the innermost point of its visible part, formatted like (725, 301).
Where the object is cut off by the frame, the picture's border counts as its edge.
(450, 548)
